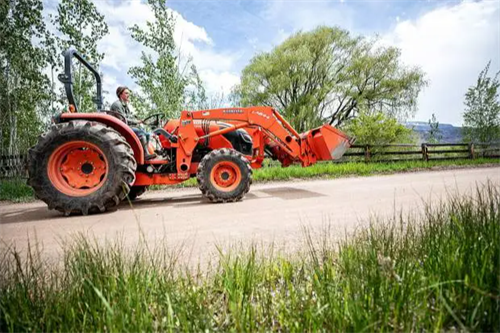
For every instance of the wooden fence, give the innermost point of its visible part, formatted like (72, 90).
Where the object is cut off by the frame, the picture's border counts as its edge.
(425, 152)
(16, 166)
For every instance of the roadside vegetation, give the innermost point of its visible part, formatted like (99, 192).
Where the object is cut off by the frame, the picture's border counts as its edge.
(15, 190)
(434, 272)
(337, 170)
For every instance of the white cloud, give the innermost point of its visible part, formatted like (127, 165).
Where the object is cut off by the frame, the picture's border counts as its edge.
(452, 45)
(216, 82)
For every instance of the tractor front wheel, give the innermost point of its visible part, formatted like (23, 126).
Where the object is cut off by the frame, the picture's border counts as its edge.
(81, 167)
(224, 175)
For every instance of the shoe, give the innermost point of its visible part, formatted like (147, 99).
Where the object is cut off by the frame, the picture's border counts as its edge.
(144, 143)
(148, 157)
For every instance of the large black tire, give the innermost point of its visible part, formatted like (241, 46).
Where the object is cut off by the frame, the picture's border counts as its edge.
(206, 184)
(121, 167)
(136, 191)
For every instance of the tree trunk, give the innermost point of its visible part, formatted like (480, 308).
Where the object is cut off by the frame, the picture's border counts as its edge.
(52, 93)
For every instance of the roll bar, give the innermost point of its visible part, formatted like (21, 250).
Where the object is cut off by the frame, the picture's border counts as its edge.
(67, 78)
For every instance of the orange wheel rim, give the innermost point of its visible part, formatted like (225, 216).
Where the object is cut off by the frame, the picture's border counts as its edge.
(226, 176)
(77, 168)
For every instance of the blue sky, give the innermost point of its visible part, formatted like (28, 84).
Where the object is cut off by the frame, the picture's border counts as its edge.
(450, 40)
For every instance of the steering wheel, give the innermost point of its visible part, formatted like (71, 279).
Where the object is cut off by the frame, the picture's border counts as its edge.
(117, 115)
(156, 122)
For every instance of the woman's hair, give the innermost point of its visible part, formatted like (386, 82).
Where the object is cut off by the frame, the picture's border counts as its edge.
(119, 90)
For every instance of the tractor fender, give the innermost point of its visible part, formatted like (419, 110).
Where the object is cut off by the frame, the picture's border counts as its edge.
(114, 123)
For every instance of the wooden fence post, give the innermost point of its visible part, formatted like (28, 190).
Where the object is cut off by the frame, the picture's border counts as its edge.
(367, 153)
(425, 153)
(471, 150)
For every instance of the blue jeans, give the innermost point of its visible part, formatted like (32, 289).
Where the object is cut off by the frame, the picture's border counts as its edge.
(139, 132)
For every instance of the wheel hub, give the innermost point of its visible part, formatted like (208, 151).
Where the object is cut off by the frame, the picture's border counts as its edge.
(87, 168)
(77, 168)
(226, 176)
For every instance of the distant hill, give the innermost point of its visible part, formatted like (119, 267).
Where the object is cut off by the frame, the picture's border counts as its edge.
(450, 133)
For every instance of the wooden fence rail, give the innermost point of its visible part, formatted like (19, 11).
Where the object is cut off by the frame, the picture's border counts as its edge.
(426, 151)
(16, 166)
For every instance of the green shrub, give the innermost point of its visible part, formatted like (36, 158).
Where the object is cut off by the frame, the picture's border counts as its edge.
(377, 128)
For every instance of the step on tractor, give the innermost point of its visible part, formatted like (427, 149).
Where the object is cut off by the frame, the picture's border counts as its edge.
(90, 162)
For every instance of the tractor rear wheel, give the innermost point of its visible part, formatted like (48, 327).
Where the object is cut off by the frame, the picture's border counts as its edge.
(136, 191)
(224, 175)
(81, 167)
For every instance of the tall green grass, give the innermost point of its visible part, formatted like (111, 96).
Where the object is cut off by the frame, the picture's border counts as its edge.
(437, 272)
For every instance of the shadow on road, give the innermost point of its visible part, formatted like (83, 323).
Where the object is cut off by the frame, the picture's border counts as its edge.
(142, 203)
(40, 212)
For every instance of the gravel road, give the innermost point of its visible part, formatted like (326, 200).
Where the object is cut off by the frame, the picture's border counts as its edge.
(274, 212)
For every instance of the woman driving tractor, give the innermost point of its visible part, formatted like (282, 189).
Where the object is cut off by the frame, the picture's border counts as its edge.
(121, 106)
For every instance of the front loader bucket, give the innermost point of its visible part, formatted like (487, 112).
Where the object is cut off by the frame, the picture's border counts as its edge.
(328, 143)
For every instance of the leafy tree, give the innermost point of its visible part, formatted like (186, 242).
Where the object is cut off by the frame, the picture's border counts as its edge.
(197, 97)
(377, 128)
(161, 80)
(24, 89)
(434, 133)
(327, 75)
(81, 27)
(482, 111)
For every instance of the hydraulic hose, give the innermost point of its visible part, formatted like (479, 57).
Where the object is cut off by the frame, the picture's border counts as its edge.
(172, 138)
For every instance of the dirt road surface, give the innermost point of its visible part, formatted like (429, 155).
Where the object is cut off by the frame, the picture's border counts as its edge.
(274, 212)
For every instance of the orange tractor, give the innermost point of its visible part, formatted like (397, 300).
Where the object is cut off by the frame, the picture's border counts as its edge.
(90, 162)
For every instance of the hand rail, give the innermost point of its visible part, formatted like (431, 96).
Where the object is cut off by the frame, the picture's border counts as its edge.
(67, 78)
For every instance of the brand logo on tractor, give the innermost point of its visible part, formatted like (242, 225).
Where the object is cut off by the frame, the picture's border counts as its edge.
(186, 122)
(261, 114)
(238, 111)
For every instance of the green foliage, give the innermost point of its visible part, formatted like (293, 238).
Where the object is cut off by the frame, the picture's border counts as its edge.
(81, 27)
(436, 273)
(482, 112)
(328, 75)
(161, 80)
(435, 133)
(376, 128)
(24, 89)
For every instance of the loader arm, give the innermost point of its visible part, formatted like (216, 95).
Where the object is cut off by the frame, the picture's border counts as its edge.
(267, 119)
(267, 126)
